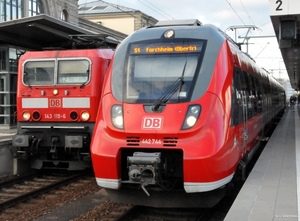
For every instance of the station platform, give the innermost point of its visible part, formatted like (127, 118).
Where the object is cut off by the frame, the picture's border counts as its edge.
(272, 189)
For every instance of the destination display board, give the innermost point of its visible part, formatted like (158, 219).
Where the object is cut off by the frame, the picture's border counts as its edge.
(160, 48)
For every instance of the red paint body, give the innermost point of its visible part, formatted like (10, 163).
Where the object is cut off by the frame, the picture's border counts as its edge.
(55, 88)
(208, 153)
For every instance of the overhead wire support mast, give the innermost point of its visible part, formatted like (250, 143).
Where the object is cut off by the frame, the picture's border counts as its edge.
(249, 27)
(248, 38)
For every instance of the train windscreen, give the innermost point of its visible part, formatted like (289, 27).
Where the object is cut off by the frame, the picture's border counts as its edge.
(53, 72)
(161, 71)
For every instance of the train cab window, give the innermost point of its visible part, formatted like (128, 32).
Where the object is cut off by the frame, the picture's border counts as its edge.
(73, 71)
(38, 73)
(52, 72)
(152, 76)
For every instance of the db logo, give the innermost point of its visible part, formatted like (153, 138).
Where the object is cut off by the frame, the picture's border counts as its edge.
(55, 103)
(152, 123)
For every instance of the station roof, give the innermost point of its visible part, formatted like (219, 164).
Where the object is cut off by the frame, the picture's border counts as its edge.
(101, 7)
(286, 23)
(40, 32)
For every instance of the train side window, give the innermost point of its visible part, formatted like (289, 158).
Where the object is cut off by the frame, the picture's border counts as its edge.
(237, 113)
(248, 90)
(254, 95)
(258, 91)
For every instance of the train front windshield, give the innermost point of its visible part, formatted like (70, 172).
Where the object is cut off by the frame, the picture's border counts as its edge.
(53, 72)
(161, 71)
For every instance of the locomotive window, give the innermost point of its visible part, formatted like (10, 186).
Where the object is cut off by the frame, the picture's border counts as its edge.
(39, 73)
(49, 73)
(73, 71)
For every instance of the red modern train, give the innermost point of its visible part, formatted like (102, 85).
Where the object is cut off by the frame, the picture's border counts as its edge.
(181, 109)
(58, 96)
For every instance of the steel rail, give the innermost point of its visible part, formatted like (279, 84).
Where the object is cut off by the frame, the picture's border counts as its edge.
(34, 193)
(18, 179)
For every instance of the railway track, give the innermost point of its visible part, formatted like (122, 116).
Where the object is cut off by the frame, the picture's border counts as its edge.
(27, 187)
(16, 179)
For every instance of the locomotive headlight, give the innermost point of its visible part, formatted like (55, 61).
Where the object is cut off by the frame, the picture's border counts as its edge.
(55, 92)
(85, 116)
(26, 115)
(191, 117)
(117, 116)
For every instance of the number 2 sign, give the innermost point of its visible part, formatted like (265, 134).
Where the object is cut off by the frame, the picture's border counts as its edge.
(284, 7)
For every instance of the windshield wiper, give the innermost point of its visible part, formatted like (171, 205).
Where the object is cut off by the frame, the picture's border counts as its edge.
(88, 74)
(26, 80)
(170, 92)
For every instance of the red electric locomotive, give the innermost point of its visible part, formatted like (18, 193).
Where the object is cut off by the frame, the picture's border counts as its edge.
(181, 109)
(58, 96)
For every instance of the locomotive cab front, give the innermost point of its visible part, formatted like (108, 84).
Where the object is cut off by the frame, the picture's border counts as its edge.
(58, 96)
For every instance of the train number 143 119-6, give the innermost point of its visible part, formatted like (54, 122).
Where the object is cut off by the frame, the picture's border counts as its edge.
(55, 116)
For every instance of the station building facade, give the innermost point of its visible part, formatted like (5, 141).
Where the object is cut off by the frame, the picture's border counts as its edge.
(9, 54)
(66, 14)
(117, 17)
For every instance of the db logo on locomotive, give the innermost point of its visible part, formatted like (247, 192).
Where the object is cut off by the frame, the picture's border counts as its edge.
(55, 102)
(152, 123)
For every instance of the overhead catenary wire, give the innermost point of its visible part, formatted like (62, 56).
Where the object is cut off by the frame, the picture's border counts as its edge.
(235, 12)
(241, 18)
(247, 12)
(156, 9)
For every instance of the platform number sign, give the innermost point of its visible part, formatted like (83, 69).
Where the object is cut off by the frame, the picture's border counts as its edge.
(279, 5)
(284, 7)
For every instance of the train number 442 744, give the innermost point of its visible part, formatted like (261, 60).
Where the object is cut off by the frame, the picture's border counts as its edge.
(151, 141)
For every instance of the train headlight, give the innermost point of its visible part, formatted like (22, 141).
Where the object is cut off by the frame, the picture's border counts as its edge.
(191, 120)
(117, 116)
(191, 117)
(26, 115)
(85, 116)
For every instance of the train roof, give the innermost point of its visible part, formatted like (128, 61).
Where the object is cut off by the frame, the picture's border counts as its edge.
(183, 22)
(191, 29)
(194, 29)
